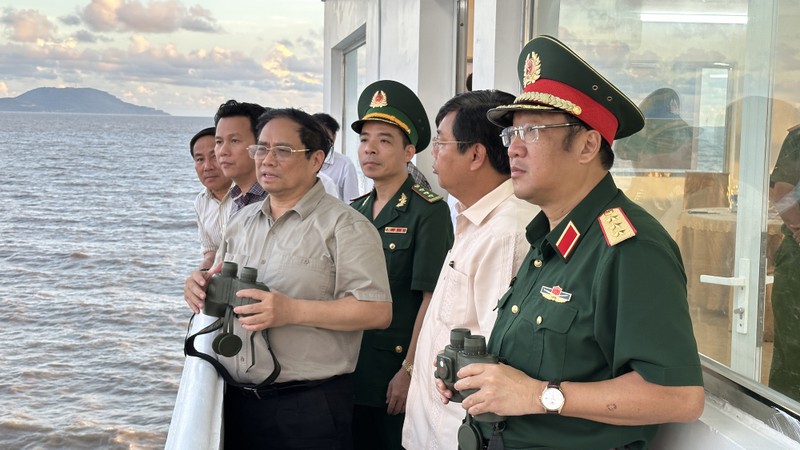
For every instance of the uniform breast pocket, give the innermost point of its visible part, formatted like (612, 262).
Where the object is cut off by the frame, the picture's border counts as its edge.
(398, 250)
(546, 333)
(389, 347)
(310, 277)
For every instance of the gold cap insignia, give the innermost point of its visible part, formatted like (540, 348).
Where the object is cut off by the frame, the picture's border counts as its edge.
(533, 69)
(378, 100)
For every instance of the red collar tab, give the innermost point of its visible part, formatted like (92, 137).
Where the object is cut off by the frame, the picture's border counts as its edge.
(568, 240)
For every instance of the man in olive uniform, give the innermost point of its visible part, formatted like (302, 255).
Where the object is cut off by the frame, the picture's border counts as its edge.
(784, 373)
(415, 227)
(594, 332)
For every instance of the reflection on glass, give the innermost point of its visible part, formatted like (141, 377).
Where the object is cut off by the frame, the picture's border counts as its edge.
(662, 149)
(784, 375)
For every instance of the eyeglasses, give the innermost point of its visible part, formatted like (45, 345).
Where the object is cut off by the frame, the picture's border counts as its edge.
(529, 133)
(436, 143)
(280, 152)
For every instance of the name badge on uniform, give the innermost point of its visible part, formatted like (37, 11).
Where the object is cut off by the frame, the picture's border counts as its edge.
(396, 230)
(556, 294)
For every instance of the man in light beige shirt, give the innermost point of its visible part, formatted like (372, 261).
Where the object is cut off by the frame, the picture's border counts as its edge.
(472, 165)
(212, 205)
(325, 268)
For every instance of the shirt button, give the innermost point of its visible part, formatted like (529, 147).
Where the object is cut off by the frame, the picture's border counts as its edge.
(537, 263)
(514, 309)
(539, 320)
(392, 246)
(398, 349)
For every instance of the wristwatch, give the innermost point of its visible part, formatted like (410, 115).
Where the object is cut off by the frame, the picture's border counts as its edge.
(552, 398)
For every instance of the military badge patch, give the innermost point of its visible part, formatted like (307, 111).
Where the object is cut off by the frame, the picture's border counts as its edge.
(402, 201)
(555, 294)
(398, 230)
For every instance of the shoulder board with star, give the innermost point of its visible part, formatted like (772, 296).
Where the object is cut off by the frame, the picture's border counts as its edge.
(616, 226)
(429, 196)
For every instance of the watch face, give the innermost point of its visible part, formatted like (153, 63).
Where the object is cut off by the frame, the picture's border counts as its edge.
(552, 399)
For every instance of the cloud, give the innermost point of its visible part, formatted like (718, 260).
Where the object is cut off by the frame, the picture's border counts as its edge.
(200, 19)
(71, 20)
(164, 76)
(3, 89)
(27, 25)
(157, 16)
(101, 15)
(89, 37)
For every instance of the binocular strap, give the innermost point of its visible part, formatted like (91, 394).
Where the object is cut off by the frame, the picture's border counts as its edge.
(190, 350)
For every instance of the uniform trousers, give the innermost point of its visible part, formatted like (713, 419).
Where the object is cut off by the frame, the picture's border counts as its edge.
(784, 374)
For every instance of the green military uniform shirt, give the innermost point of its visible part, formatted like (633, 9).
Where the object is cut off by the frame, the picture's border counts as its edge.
(591, 305)
(784, 374)
(417, 233)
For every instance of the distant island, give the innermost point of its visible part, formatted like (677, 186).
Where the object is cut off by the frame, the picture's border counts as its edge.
(73, 100)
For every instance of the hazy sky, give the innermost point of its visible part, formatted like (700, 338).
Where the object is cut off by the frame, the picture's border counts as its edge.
(184, 57)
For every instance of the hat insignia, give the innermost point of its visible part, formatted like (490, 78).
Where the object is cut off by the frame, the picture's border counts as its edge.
(532, 70)
(378, 100)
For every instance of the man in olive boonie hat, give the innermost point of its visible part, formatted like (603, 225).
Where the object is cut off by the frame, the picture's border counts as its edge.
(583, 325)
(416, 230)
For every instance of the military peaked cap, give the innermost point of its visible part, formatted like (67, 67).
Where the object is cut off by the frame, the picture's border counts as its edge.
(554, 77)
(392, 102)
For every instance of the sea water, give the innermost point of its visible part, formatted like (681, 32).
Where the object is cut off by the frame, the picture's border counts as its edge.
(97, 233)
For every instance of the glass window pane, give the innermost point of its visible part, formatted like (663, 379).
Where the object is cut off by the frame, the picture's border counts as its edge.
(716, 81)
(355, 69)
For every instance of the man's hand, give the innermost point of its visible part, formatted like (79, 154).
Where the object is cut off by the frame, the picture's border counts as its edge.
(397, 392)
(272, 309)
(194, 288)
(503, 390)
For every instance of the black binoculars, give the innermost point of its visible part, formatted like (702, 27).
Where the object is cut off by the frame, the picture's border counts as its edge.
(221, 299)
(465, 348)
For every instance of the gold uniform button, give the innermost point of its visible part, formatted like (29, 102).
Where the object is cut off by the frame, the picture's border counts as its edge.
(537, 263)
(514, 309)
(392, 246)
(398, 349)
(539, 320)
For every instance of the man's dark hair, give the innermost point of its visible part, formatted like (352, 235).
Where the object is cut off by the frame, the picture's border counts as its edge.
(312, 133)
(232, 108)
(472, 126)
(204, 132)
(328, 122)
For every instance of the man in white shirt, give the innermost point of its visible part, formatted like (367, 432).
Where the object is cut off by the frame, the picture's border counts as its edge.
(471, 164)
(212, 205)
(338, 167)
